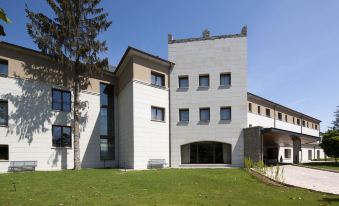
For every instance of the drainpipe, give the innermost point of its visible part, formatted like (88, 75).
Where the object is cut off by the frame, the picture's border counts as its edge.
(274, 108)
(301, 124)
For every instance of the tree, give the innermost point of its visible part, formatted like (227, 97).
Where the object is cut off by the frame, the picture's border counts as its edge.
(336, 120)
(4, 18)
(70, 38)
(330, 144)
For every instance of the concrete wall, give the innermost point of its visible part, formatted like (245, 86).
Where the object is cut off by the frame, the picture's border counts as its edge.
(213, 57)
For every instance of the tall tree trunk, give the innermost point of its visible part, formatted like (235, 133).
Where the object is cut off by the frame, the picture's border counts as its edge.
(77, 165)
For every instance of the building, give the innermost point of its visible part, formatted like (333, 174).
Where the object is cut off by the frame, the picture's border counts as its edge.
(191, 110)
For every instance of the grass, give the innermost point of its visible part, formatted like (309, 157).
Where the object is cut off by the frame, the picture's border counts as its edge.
(154, 187)
(323, 165)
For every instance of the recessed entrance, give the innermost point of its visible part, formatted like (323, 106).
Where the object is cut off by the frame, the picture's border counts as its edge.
(206, 153)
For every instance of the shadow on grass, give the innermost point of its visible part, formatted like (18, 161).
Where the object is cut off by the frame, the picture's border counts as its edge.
(329, 200)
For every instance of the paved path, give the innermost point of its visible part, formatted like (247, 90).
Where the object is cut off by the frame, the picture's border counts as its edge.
(312, 179)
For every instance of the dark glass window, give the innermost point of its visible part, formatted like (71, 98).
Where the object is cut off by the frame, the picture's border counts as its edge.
(158, 114)
(279, 116)
(225, 113)
(61, 136)
(285, 117)
(3, 67)
(298, 121)
(4, 152)
(205, 114)
(61, 100)
(225, 79)
(183, 82)
(107, 136)
(250, 107)
(204, 80)
(293, 120)
(288, 153)
(268, 112)
(303, 123)
(183, 115)
(3, 113)
(316, 127)
(259, 112)
(158, 79)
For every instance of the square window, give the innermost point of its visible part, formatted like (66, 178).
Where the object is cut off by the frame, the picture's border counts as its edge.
(288, 153)
(3, 113)
(3, 67)
(61, 100)
(205, 114)
(4, 154)
(158, 79)
(157, 114)
(183, 115)
(183, 82)
(225, 113)
(204, 80)
(225, 80)
(61, 136)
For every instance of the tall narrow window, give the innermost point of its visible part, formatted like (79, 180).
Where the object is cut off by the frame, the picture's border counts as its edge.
(225, 80)
(285, 117)
(298, 121)
(4, 152)
(158, 114)
(293, 120)
(303, 123)
(204, 80)
(225, 113)
(279, 116)
(158, 79)
(204, 114)
(61, 136)
(183, 82)
(288, 153)
(268, 112)
(183, 115)
(3, 67)
(250, 107)
(3, 113)
(107, 137)
(316, 126)
(259, 110)
(61, 100)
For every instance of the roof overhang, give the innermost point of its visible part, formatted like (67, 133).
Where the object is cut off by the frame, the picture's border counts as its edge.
(280, 133)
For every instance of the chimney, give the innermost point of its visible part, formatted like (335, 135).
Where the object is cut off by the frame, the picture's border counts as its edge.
(206, 33)
(170, 38)
(244, 30)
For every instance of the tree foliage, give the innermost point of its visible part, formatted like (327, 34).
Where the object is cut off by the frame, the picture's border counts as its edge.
(4, 18)
(70, 38)
(336, 119)
(330, 143)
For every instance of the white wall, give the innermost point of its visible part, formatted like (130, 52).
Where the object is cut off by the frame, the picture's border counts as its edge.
(151, 138)
(259, 120)
(29, 134)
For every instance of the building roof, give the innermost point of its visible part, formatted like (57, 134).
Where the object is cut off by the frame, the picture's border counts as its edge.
(251, 95)
(206, 36)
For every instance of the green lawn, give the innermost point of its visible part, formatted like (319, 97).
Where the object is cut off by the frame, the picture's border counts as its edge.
(323, 165)
(155, 187)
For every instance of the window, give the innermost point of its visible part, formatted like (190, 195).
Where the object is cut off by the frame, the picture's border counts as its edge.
(204, 114)
(303, 123)
(204, 80)
(183, 82)
(4, 152)
(298, 121)
(158, 79)
(310, 154)
(316, 127)
(3, 67)
(268, 112)
(287, 153)
(307, 124)
(279, 116)
(225, 113)
(250, 107)
(61, 136)
(61, 100)
(183, 115)
(285, 117)
(259, 112)
(107, 122)
(225, 80)
(318, 154)
(3, 113)
(293, 121)
(158, 114)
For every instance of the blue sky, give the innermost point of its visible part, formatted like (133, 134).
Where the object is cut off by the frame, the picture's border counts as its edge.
(293, 46)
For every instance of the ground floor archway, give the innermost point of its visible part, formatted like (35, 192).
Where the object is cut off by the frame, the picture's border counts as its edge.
(206, 152)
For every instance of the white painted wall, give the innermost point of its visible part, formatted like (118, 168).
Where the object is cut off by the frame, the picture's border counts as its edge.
(259, 120)
(282, 154)
(151, 138)
(209, 57)
(29, 134)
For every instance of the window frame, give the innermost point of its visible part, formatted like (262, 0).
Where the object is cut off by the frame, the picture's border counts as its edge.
(62, 100)
(157, 109)
(183, 77)
(230, 110)
(268, 112)
(230, 79)
(204, 76)
(184, 110)
(280, 116)
(289, 156)
(259, 109)
(209, 114)
(157, 74)
(5, 145)
(6, 115)
(5, 62)
(62, 129)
